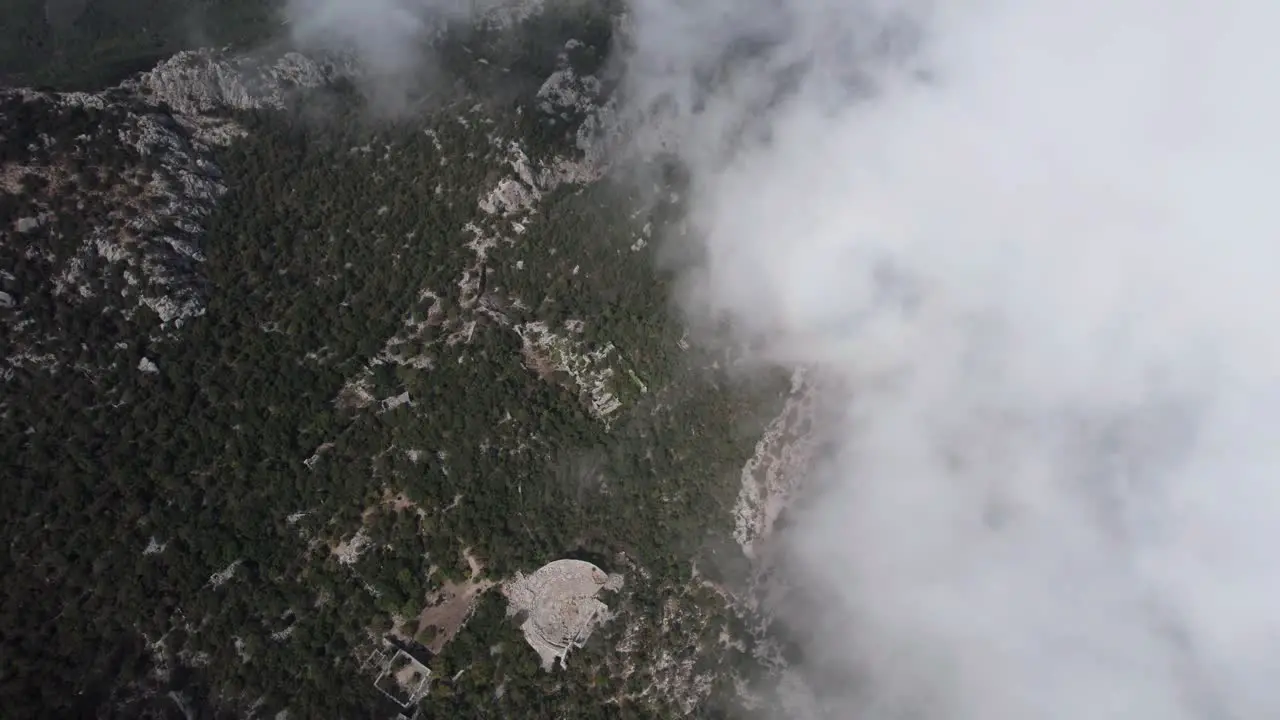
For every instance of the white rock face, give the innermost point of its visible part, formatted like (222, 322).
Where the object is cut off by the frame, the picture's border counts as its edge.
(219, 578)
(139, 249)
(590, 369)
(195, 83)
(776, 468)
(134, 247)
(27, 224)
(561, 605)
(349, 551)
(565, 90)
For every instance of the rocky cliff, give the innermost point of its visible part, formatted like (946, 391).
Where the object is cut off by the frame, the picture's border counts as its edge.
(103, 196)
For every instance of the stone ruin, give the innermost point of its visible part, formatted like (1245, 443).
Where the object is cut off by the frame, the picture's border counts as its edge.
(559, 599)
(401, 677)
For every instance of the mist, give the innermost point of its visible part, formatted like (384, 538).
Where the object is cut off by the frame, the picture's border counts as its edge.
(388, 35)
(1037, 241)
(391, 39)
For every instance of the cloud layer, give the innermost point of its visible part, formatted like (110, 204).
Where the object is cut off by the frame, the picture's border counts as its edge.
(391, 38)
(1038, 241)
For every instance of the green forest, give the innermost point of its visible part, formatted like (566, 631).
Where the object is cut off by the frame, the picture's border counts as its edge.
(174, 532)
(88, 44)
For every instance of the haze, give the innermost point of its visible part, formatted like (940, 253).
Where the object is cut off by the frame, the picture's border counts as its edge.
(391, 38)
(1039, 242)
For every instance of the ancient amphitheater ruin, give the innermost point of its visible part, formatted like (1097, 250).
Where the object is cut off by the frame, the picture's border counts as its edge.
(562, 609)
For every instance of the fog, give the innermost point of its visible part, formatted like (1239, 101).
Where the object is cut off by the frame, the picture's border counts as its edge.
(1039, 243)
(391, 38)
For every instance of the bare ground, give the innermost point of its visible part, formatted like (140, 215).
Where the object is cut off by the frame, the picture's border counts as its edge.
(449, 607)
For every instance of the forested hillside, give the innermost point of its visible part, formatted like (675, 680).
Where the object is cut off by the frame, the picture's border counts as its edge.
(433, 351)
(86, 44)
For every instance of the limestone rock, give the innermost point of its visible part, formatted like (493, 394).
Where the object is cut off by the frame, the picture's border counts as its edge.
(562, 608)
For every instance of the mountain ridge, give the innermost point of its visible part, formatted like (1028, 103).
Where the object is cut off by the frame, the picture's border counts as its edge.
(389, 358)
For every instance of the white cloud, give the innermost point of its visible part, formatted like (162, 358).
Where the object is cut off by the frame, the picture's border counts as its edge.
(1054, 497)
(391, 38)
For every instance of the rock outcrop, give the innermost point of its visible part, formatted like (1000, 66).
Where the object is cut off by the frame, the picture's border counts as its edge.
(110, 198)
(200, 86)
(109, 193)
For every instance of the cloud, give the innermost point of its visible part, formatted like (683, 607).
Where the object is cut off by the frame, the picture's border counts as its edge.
(1037, 241)
(388, 33)
(392, 38)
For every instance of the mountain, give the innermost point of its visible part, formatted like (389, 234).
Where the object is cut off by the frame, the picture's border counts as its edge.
(303, 403)
(109, 195)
